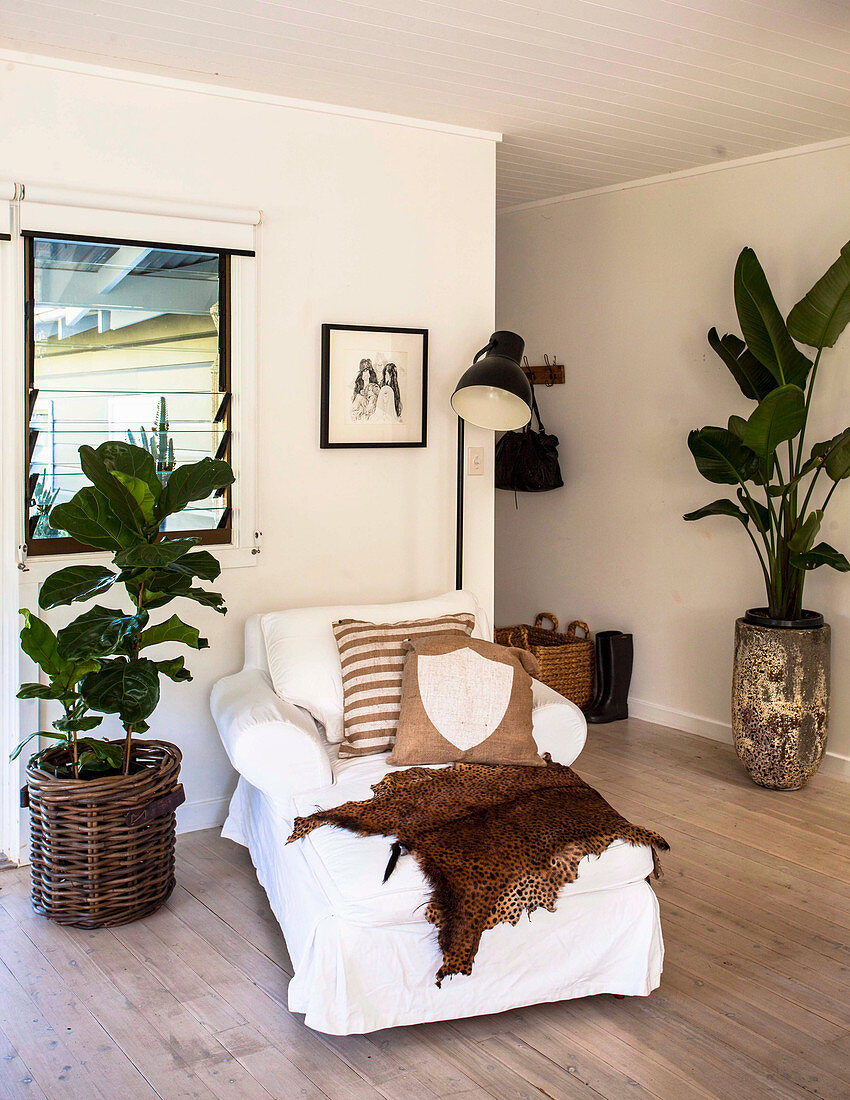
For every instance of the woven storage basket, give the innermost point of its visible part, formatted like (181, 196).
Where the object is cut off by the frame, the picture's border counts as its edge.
(102, 850)
(566, 660)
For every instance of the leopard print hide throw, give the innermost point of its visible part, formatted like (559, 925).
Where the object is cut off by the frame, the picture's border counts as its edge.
(492, 840)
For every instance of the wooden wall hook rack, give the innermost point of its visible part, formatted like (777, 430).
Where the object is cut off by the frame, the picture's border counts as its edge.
(546, 374)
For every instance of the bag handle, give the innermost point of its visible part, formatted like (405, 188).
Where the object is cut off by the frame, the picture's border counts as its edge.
(536, 412)
(571, 629)
(546, 615)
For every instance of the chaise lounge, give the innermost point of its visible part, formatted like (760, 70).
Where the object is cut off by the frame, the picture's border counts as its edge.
(363, 953)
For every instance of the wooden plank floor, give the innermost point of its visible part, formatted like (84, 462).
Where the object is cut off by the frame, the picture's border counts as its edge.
(754, 1001)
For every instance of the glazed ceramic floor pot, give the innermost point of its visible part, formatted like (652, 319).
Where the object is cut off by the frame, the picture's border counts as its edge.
(780, 698)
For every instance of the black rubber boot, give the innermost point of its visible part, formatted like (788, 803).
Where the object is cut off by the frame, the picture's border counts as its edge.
(601, 675)
(614, 658)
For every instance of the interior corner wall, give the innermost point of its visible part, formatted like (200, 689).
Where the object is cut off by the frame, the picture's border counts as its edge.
(364, 222)
(623, 287)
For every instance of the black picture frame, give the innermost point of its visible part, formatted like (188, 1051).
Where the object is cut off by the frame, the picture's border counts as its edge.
(325, 441)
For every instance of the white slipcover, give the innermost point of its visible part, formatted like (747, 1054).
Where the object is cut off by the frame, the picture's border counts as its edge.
(364, 956)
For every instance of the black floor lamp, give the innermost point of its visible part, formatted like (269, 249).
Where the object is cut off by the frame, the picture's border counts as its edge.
(494, 393)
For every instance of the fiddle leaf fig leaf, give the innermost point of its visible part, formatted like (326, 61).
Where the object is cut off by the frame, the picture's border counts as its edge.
(140, 492)
(215, 600)
(804, 536)
(39, 691)
(74, 583)
(821, 316)
(193, 482)
(720, 507)
(99, 632)
(721, 457)
(822, 554)
(125, 458)
(40, 644)
(90, 518)
(128, 688)
(154, 555)
(761, 323)
(172, 630)
(754, 379)
(120, 498)
(777, 418)
(201, 564)
(174, 669)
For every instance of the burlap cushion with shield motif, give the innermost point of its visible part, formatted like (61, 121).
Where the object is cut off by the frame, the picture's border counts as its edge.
(465, 699)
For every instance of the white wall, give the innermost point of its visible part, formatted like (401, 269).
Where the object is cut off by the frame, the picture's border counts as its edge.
(364, 222)
(624, 287)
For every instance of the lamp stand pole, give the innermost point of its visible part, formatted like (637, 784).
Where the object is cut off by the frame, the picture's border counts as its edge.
(459, 534)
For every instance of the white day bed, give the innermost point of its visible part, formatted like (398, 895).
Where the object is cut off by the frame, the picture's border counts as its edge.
(363, 954)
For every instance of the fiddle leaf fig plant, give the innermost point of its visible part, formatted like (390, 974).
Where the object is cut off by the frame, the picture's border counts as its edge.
(763, 455)
(96, 665)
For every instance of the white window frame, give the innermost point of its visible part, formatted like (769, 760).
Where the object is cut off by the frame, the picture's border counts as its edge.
(21, 577)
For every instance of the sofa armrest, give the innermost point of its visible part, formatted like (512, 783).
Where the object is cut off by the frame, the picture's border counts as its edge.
(559, 726)
(276, 746)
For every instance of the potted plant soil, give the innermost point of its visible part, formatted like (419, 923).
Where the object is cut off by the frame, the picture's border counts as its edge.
(781, 678)
(102, 812)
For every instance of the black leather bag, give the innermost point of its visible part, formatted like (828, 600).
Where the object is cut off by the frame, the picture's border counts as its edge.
(527, 461)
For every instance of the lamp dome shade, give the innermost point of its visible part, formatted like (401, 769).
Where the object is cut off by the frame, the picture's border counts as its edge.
(495, 392)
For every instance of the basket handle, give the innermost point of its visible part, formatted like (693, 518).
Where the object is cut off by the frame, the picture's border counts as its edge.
(571, 629)
(538, 621)
(165, 805)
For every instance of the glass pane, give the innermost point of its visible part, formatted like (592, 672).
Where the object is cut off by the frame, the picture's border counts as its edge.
(126, 347)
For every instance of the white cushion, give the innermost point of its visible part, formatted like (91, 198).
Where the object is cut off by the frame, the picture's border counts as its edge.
(303, 656)
(350, 868)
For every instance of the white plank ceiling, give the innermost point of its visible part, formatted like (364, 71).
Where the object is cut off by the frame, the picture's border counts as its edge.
(588, 93)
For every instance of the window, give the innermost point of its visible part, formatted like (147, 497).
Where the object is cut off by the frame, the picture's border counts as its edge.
(128, 341)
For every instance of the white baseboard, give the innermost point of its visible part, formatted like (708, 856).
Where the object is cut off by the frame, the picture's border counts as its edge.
(834, 764)
(207, 813)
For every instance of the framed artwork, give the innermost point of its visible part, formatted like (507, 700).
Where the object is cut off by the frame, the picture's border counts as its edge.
(374, 386)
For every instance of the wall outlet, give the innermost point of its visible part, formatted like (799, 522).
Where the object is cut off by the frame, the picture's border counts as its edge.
(474, 461)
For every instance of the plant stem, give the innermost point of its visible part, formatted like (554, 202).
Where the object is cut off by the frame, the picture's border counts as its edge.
(809, 391)
(128, 745)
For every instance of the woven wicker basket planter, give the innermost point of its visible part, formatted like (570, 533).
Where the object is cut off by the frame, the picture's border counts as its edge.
(102, 850)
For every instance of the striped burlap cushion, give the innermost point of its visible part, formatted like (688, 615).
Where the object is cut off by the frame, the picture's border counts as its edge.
(372, 659)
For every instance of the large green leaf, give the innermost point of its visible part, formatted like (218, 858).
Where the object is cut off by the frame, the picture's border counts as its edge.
(175, 669)
(753, 377)
(758, 513)
(154, 555)
(172, 630)
(837, 457)
(762, 325)
(193, 482)
(822, 554)
(140, 492)
(90, 518)
(120, 498)
(77, 725)
(76, 582)
(125, 458)
(805, 534)
(820, 318)
(201, 564)
(39, 691)
(737, 425)
(778, 417)
(156, 587)
(721, 457)
(40, 643)
(720, 507)
(215, 600)
(129, 689)
(99, 632)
